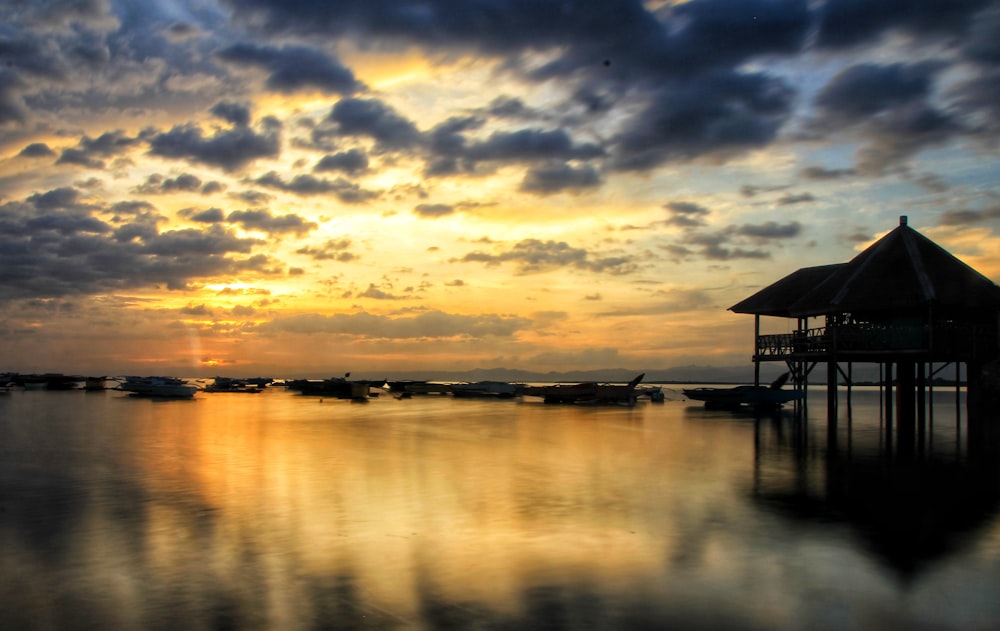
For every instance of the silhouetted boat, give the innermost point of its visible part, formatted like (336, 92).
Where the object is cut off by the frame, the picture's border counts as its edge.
(592, 393)
(230, 384)
(745, 396)
(49, 381)
(485, 389)
(168, 387)
(336, 387)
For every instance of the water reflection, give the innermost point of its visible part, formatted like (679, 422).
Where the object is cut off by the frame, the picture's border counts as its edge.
(282, 512)
(913, 502)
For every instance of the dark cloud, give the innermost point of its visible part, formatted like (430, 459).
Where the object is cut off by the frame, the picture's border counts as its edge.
(156, 184)
(52, 245)
(434, 210)
(90, 152)
(534, 256)
(12, 108)
(531, 144)
(234, 113)
(751, 190)
(800, 198)
(586, 34)
(968, 217)
(36, 150)
(352, 161)
(770, 230)
(823, 173)
(376, 120)
(866, 90)
(556, 178)
(845, 23)
(983, 41)
(266, 222)
(333, 250)
(713, 116)
(209, 215)
(306, 184)
(726, 244)
(294, 68)
(65, 198)
(253, 198)
(715, 246)
(686, 214)
(230, 149)
(890, 107)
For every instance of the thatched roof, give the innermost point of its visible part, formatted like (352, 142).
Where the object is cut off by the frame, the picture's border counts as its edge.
(902, 270)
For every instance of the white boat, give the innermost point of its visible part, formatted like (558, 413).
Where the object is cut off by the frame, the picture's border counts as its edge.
(158, 387)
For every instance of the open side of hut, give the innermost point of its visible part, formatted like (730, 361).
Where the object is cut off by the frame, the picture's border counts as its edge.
(904, 302)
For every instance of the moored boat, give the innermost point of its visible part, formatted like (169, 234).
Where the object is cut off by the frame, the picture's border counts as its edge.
(167, 387)
(231, 384)
(336, 387)
(591, 393)
(745, 396)
(487, 389)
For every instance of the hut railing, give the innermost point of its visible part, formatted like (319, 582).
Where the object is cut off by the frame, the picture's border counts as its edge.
(946, 339)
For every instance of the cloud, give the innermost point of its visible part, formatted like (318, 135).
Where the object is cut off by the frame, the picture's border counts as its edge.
(822, 173)
(770, 230)
(52, 245)
(535, 256)
(801, 198)
(559, 177)
(686, 214)
(374, 119)
(264, 221)
(890, 107)
(294, 68)
(352, 162)
(229, 150)
(157, 184)
(713, 116)
(427, 325)
(209, 215)
(844, 23)
(233, 113)
(434, 210)
(731, 242)
(968, 217)
(36, 150)
(333, 250)
(90, 151)
(306, 184)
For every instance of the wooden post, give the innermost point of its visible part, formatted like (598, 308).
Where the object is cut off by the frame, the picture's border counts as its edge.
(905, 400)
(756, 349)
(889, 394)
(831, 392)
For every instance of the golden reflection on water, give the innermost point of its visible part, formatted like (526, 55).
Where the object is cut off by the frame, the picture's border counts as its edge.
(473, 505)
(281, 511)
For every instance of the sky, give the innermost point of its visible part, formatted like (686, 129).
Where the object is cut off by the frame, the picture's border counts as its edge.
(304, 187)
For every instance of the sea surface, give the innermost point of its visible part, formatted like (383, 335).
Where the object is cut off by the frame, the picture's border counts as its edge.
(278, 511)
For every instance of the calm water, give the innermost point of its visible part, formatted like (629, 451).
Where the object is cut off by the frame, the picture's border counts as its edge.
(278, 511)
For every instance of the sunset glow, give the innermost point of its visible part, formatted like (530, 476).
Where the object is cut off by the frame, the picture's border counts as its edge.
(297, 188)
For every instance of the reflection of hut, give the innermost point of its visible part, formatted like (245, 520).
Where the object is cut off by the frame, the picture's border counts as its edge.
(910, 513)
(904, 303)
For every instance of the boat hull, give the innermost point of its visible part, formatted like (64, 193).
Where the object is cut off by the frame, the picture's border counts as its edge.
(742, 396)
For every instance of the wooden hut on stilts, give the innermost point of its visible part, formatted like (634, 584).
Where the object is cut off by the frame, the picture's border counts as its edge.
(904, 303)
